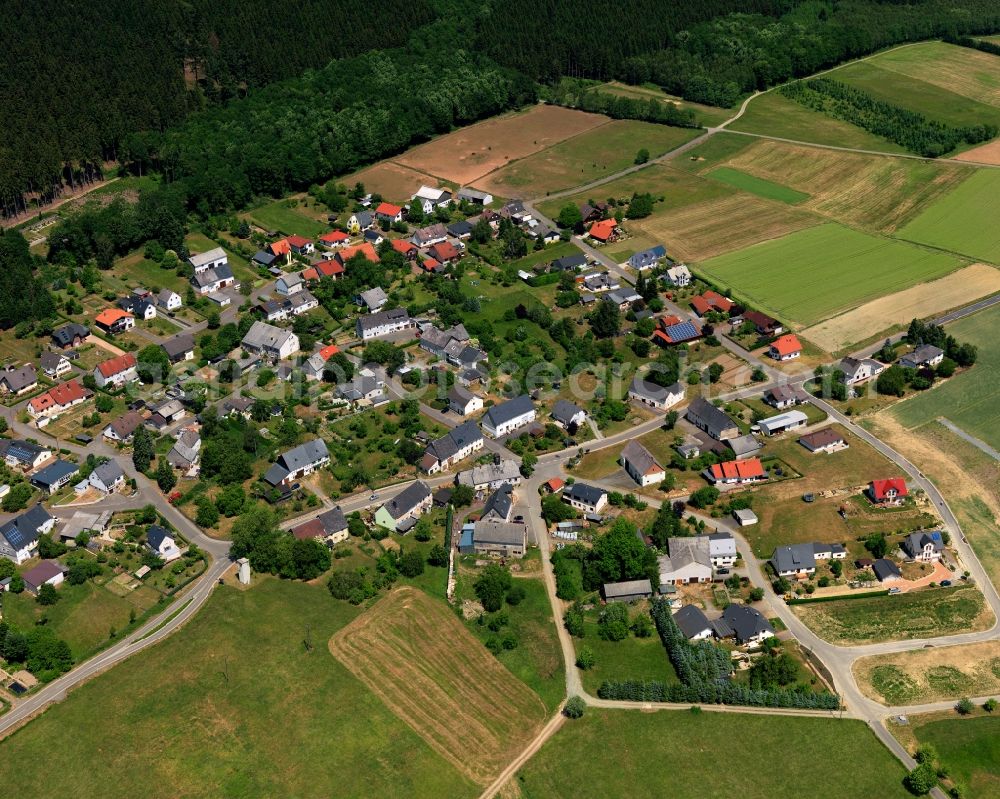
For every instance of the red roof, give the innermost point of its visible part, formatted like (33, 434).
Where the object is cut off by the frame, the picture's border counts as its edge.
(445, 251)
(365, 249)
(334, 237)
(430, 264)
(717, 300)
(786, 344)
(62, 395)
(323, 269)
(667, 321)
(881, 488)
(116, 365)
(329, 351)
(602, 230)
(280, 247)
(403, 246)
(109, 316)
(738, 470)
(555, 484)
(387, 209)
(700, 304)
(310, 529)
(298, 241)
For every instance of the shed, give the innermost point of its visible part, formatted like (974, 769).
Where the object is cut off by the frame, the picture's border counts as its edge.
(627, 591)
(745, 517)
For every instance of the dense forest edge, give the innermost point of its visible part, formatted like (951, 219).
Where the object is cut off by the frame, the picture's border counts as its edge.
(230, 101)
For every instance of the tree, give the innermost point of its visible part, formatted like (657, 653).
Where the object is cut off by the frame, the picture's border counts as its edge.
(892, 382)
(208, 514)
(49, 548)
(965, 706)
(437, 555)
(142, 449)
(47, 594)
(756, 594)
(990, 705)
(573, 621)
(921, 780)
(153, 364)
(704, 497)
(491, 586)
(642, 156)
(165, 477)
(605, 320)
(642, 626)
(640, 206)
(388, 355)
(715, 371)
(411, 564)
(528, 461)
(462, 495)
(214, 320)
(575, 707)
(585, 658)
(516, 594)
(612, 624)
(569, 217)
(231, 500)
(310, 558)
(877, 545)
(555, 510)
(17, 498)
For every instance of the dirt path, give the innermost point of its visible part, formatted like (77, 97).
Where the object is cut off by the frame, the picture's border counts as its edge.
(55, 204)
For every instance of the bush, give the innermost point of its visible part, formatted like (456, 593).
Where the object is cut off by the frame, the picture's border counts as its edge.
(965, 706)
(575, 707)
(585, 658)
(516, 594)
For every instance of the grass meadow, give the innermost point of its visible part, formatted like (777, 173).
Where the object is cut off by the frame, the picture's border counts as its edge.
(970, 749)
(767, 189)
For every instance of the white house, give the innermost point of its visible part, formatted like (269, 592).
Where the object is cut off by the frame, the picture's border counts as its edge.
(270, 341)
(679, 276)
(509, 416)
(464, 402)
(431, 199)
(298, 462)
(693, 622)
(640, 464)
(212, 259)
(566, 414)
(924, 547)
(688, 561)
(789, 420)
(926, 355)
(722, 549)
(169, 300)
(655, 396)
(107, 477)
(383, 323)
(286, 285)
(55, 364)
(456, 445)
(116, 371)
(858, 370)
(588, 498)
(19, 536)
(162, 544)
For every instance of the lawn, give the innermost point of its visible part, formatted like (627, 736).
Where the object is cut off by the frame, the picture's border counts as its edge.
(969, 399)
(283, 217)
(970, 749)
(233, 705)
(682, 755)
(811, 274)
(136, 270)
(963, 220)
(759, 186)
(918, 614)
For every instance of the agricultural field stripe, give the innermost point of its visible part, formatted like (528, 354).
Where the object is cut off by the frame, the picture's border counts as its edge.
(767, 189)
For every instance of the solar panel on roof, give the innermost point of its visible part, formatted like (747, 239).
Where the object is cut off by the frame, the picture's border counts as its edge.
(682, 331)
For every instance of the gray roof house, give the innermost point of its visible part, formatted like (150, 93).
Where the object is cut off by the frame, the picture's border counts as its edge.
(627, 591)
(373, 299)
(107, 477)
(797, 560)
(704, 415)
(504, 539)
(565, 413)
(407, 503)
(693, 622)
(185, 450)
(585, 497)
(886, 570)
(923, 546)
(640, 464)
(55, 475)
(298, 462)
(500, 504)
(19, 536)
(15, 380)
(654, 395)
(748, 624)
(179, 348)
(491, 475)
(924, 355)
(510, 415)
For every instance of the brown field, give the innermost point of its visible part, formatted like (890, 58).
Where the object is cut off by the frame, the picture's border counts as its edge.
(471, 152)
(874, 193)
(707, 229)
(930, 675)
(927, 299)
(393, 181)
(961, 70)
(988, 153)
(422, 662)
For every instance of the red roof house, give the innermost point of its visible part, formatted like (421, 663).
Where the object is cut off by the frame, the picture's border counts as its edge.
(117, 365)
(430, 265)
(890, 490)
(603, 230)
(710, 301)
(280, 247)
(445, 252)
(405, 248)
(58, 398)
(299, 243)
(747, 471)
(329, 351)
(785, 348)
(335, 238)
(365, 249)
(389, 211)
(330, 269)
(114, 320)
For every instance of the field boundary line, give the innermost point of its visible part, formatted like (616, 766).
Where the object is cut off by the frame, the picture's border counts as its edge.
(978, 443)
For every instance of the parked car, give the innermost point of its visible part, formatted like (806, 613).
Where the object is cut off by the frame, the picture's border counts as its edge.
(945, 583)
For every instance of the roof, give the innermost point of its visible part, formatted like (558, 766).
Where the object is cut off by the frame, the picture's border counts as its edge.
(403, 246)
(782, 420)
(23, 451)
(786, 344)
(500, 502)
(744, 445)
(587, 494)
(156, 535)
(716, 420)
(654, 391)
(749, 469)
(298, 241)
(209, 277)
(108, 472)
(627, 588)
(50, 360)
(406, 500)
(924, 353)
(746, 622)
(61, 395)
(304, 455)
(323, 269)
(885, 568)
(261, 335)
(509, 410)
(499, 533)
(310, 529)
(473, 194)
(375, 297)
(21, 377)
(603, 229)
(555, 484)
(65, 334)
(745, 515)
(374, 320)
(794, 558)
(640, 457)
(683, 331)
(54, 473)
(784, 393)
(264, 257)
(691, 620)
(42, 573)
(915, 542)
(460, 395)
(365, 248)
(445, 251)
(178, 345)
(126, 424)
(333, 520)
(109, 316)
(570, 262)
(117, 365)
(327, 352)
(22, 531)
(880, 488)
(564, 411)
(650, 255)
(822, 438)
(491, 473)
(387, 209)
(334, 236)
(200, 259)
(761, 320)
(686, 551)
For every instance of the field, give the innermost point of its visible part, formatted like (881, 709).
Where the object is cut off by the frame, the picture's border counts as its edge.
(988, 153)
(759, 186)
(812, 274)
(970, 748)
(282, 217)
(413, 653)
(904, 617)
(583, 158)
(233, 705)
(922, 301)
(682, 755)
(472, 152)
(969, 399)
(930, 675)
(395, 182)
(963, 220)
(707, 115)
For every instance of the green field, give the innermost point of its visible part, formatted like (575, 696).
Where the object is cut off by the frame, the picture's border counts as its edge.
(759, 186)
(631, 659)
(970, 749)
(287, 220)
(683, 756)
(814, 273)
(233, 705)
(964, 220)
(969, 399)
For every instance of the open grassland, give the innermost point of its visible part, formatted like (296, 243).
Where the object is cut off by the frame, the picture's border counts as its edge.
(767, 189)
(964, 220)
(395, 182)
(471, 152)
(877, 193)
(712, 152)
(774, 115)
(286, 219)
(970, 399)
(809, 275)
(970, 749)
(413, 653)
(930, 675)
(916, 614)
(706, 115)
(922, 301)
(589, 156)
(234, 705)
(677, 754)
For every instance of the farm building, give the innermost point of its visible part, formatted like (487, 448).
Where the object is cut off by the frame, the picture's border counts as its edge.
(627, 591)
(790, 420)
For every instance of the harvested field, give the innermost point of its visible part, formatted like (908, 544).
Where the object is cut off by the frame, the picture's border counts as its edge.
(930, 675)
(921, 301)
(416, 656)
(471, 152)
(393, 181)
(988, 153)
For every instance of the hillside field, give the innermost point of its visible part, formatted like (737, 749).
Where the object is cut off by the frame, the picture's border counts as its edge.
(756, 185)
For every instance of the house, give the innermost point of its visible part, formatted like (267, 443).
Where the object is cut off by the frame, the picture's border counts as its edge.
(509, 416)
(500, 504)
(460, 230)
(795, 562)
(783, 422)
(490, 476)
(764, 324)
(114, 320)
(736, 472)
(852, 371)
(383, 323)
(54, 476)
(430, 235)
(405, 248)
(48, 572)
(334, 239)
(107, 477)
(924, 547)
(647, 259)
(692, 621)
(300, 302)
(373, 299)
(709, 302)
(464, 402)
(744, 446)
(722, 549)
(206, 261)
(444, 252)
(373, 237)
(627, 591)
(70, 335)
(210, 281)
(57, 399)
(387, 212)
(745, 517)
(499, 539)
(827, 440)
(19, 536)
(785, 348)
(748, 624)
(330, 527)
(587, 498)
(314, 366)
(162, 544)
(139, 306)
(829, 551)
(169, 300)
(186, 450)
(454, 446)
(430, 265)
(264, 259)
(18, 380)
(887, 492)
(546, 234)
(359, 222)
(569, 263)
(431, 199)
(273, 311)
(925, 356)
(287, 285)
(623, 298)
(474, 196)
(300, 245)
(439, 342)
(55, 365)
(678, 276)
(122, 428)
(640, 464)
(886, 571)
(298, 462)
(688, 561)
(271, 342)
(410, 503)
(567, 415)
(554, 485)
(678, 332)
(705, 416)
(600, 281)
(655, 396)
(593, 213)
(321, 269)
(179, 348)
(689, 449)
(116, 371)
(364, 389)
(165, 413)
(782, 397)
(603, 230)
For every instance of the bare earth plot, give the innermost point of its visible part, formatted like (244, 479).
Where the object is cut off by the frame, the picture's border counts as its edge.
(393, 181)
(419, 659)
(471, 152)
(917, 302)
(988, 153)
